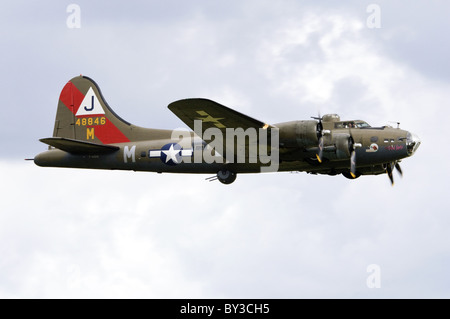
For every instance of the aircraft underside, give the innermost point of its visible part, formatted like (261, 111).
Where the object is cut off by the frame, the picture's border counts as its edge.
(59, 158)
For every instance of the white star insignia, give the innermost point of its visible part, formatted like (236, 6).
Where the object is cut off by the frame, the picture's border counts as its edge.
(171, 154)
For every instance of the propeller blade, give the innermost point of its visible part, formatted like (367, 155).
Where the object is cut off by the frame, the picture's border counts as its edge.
(353, 164)
(319, 155)
(399, 169)
(389, 172)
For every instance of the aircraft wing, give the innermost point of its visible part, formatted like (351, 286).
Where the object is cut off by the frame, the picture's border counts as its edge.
(214, 115)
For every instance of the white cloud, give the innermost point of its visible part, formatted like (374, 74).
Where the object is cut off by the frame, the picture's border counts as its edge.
(85, 233)
(77, 233)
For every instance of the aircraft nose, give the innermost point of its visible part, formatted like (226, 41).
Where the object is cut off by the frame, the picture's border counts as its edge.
(412, 143)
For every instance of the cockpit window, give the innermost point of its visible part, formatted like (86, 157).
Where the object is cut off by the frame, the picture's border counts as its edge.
(348, 124)
(361, 124)
(351, 124)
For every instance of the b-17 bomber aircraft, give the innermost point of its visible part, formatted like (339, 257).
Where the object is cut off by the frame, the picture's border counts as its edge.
(88, 134)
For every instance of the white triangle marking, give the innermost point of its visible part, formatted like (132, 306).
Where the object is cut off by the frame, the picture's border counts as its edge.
(90, 105)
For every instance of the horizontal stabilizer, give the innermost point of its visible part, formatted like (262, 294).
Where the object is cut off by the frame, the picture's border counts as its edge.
(78, 147)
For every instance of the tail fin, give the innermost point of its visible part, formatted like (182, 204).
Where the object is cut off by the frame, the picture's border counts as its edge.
(84, 115)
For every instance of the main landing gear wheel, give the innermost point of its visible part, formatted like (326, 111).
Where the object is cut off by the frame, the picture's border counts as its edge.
(349, 175)
(226, 176)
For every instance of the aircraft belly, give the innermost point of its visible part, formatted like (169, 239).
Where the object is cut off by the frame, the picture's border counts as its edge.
(160, 167)
(58, 158)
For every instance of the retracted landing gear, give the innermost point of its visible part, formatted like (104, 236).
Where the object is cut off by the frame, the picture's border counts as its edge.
(350, 176)
(224, 176)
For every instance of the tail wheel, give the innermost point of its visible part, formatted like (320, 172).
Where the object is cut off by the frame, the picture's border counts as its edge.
(226, 176)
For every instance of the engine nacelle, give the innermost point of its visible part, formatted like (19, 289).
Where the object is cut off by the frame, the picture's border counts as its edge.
(344, 144)
(303, 134)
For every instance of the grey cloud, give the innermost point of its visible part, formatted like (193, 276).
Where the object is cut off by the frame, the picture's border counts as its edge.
(126, 234)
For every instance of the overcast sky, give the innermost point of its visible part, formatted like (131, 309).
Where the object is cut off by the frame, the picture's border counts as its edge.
(83, 233)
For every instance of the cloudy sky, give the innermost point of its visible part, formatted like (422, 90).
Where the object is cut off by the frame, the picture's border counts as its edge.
(69, 233)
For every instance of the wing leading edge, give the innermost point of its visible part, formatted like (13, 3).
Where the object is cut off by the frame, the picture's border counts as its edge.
(217, 116)
(212, 115)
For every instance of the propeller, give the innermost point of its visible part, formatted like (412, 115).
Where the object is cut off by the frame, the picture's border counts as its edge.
(320, 133)
(320, 153)
(389, 169)
(353, 164)
(399, 169)
(353, 147)
(389, 172)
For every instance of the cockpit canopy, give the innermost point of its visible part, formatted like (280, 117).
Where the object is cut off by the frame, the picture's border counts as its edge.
(343, 124)
(351, 124)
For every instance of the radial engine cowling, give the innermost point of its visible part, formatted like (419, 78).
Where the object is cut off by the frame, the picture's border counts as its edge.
(301, 134)
(344, 144)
